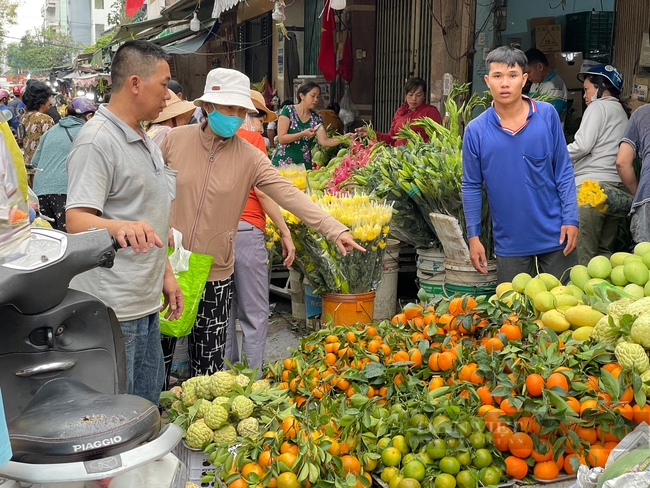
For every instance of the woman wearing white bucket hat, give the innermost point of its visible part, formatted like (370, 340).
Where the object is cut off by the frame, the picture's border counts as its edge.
(216, 172)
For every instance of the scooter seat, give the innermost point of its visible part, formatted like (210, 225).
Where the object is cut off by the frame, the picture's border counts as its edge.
(67, 421)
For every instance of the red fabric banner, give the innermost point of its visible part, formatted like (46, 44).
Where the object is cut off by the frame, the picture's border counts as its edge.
(132, 6)
(345, 64)
(326, 55)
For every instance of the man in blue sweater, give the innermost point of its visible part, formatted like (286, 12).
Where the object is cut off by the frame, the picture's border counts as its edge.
(516, 148)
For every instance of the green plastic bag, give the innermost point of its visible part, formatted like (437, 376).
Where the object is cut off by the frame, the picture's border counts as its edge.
(191, 270)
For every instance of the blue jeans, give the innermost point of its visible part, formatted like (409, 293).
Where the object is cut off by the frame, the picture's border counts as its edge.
(145, 367)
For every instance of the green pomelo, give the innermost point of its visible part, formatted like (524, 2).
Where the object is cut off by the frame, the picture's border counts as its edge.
(549, 280)
(636, 272)
(646, 289)
(534, 286)
(633, 257)
(561, 290)
(576, 290)
(566, 300)
(503, 287)
(634, 290)
(599, 267)
(582, 316)
(646, 259)
(519, 282)
(544, 301)
(579, 276)
(589, 285)
(555, 321)
(618, 258)
(641, 248)
(618, 276)
(582, 334)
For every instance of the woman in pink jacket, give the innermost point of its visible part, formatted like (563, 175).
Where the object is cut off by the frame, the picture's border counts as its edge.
(412, 109)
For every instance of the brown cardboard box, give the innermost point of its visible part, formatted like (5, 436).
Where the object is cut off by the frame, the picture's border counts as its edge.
(640, 87)
(537, 21)
(567, 65)
(548, 38)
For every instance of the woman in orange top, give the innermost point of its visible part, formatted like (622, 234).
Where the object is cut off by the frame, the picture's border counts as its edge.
(250, 301)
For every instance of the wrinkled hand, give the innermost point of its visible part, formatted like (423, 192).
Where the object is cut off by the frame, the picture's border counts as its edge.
(346, 243)
(288, 250)
(361, 132)
(477, 255)
(140, 235)
(173, 296)
(569, 233)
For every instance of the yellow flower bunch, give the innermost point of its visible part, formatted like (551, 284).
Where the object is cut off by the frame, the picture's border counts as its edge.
(296, 174)
(591, 193)
(605, 197)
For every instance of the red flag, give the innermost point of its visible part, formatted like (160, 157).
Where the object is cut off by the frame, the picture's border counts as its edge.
(132, 6)
(345, 64)
(326, 56)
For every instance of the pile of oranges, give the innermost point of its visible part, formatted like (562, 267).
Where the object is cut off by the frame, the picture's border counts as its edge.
(549, 403)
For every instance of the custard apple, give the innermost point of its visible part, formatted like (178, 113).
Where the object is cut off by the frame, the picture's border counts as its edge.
(260, 385)
(618, 308)
(221, 382)
(177, 390)
(603, 332)
(241, 407)
(248, 427)
(203, 387)
(189, 396)
(242, 380)
(216, 416)
(630, 354)
(204, 406)
(639, 307)
(225, 435)
(198, 434)
(223, 401)
(640, 332)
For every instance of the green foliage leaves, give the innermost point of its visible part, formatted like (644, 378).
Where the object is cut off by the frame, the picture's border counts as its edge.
(42, 49)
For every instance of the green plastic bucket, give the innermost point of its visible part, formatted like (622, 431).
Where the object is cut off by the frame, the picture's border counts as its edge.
(461, 278)
(485, 289)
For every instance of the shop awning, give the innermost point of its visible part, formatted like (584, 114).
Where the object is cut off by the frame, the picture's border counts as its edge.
(144, 29)
(184, 44)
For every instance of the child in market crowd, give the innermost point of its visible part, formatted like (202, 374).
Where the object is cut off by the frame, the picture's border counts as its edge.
(516, 149)
(593, 153)
(216, 172)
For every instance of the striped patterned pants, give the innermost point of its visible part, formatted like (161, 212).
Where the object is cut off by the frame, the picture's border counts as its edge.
(207, 341)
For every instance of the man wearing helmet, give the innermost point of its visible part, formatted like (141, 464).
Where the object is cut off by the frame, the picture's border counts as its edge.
(546, 81)
(4, 101)
(593, 153)
(16, 105)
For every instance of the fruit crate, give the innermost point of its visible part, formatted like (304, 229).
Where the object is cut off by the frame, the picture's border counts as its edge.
(197, 464)
(589, 31)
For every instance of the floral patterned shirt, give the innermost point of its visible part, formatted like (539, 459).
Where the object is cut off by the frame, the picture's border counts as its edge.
(296, 152)
(36, 124)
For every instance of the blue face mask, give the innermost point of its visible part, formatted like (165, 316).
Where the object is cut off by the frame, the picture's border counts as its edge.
(224, 125)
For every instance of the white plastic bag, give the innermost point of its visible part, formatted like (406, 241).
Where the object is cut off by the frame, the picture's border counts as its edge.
(348, 112)
(180, 257)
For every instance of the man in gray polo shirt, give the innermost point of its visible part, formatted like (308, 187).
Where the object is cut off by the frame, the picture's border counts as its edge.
(118, 181)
